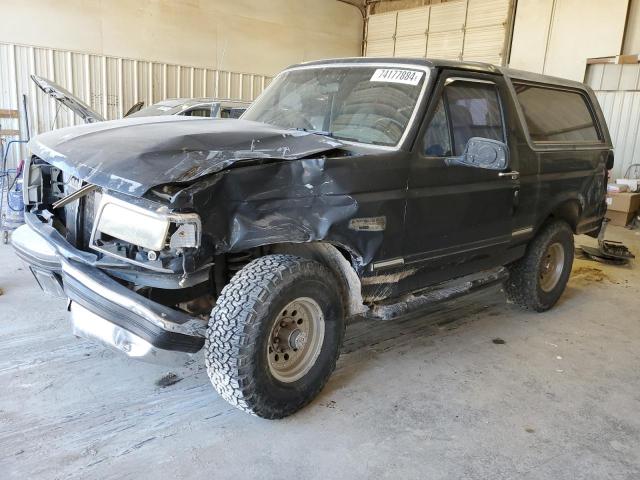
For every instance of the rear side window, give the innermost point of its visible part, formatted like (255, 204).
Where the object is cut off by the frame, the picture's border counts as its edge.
(556, 115)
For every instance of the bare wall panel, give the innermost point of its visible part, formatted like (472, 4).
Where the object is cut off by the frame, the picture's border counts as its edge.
(618, 90)
(556, 37)
(110, 85)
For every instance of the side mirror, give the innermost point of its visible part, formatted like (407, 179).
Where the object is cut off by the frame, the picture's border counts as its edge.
(483, 153)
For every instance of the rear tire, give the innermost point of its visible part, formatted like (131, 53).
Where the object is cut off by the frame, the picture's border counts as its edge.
(538, 279)
(275, 335)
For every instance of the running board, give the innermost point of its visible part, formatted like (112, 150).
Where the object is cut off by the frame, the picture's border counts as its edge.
(437, 294)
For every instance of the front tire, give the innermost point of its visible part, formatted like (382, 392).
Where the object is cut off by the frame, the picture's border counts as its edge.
(537, 280)
(275, 335)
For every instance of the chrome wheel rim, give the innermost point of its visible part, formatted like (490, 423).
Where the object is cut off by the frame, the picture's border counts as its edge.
(295, 339)
(551, 267)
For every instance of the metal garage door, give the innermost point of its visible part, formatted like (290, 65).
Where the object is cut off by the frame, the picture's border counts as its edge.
(474, 30)
(381, 30)
(411, 32)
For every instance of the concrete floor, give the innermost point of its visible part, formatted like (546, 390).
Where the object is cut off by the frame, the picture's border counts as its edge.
(426, 397)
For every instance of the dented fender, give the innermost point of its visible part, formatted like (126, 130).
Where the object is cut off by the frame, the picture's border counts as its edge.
(285, 202)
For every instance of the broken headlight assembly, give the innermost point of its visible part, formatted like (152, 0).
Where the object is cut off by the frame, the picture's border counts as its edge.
(146, 235)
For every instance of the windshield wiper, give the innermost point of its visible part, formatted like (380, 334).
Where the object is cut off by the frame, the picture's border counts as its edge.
(327, 134)
(316, 132)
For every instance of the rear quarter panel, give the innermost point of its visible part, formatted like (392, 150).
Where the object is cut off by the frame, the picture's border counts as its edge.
(566, 173)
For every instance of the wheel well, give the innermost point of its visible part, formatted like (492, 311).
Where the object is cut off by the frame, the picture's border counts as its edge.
(569, 211)
(339, 261)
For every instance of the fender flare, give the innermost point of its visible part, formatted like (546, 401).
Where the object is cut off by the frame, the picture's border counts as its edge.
(566, 206)
(334, 259)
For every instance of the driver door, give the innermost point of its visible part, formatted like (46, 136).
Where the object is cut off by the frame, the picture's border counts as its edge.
(459, 217)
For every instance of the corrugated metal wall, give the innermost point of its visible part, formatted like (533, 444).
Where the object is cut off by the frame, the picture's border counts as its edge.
(109, 85)
(474, 30)
(618, 90)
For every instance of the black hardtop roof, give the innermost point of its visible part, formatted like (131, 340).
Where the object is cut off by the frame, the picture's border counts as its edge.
(452, 64)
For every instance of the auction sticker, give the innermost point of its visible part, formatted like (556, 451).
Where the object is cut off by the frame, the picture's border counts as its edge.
(395, 75)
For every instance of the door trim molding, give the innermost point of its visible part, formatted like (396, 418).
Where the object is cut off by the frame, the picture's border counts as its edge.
(387, 263)
(463, 248)
(521, 231)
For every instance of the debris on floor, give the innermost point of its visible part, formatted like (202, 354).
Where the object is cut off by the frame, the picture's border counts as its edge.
(498, 341)
(608, 251)
(611, 252)
(589, 274)
(168, 379)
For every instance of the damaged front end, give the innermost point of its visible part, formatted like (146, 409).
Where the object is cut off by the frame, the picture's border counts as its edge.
(130, 247)
(115, 277)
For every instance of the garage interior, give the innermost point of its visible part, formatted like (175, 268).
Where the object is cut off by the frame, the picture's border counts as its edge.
(473, 388)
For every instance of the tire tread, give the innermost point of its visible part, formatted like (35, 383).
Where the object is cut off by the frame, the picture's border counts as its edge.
(234, 331)
(522, 285)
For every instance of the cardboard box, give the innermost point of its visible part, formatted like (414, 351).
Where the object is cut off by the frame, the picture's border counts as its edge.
(622, 207)
(632, 183)
(621, 219)
(623, 202)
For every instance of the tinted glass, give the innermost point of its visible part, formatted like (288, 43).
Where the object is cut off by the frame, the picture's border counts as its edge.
(556, 115)
(437, 141)
(198, 112)
(474, 111)
(230, 112)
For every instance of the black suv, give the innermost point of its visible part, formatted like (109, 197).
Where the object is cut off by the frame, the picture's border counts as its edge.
(351, 187)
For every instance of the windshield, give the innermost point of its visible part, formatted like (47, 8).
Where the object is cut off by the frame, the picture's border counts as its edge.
(366, 104)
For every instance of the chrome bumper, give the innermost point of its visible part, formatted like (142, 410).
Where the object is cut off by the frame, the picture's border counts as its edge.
(87, 324)
(102, 309)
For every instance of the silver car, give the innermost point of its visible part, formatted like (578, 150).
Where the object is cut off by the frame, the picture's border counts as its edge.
(189, 107)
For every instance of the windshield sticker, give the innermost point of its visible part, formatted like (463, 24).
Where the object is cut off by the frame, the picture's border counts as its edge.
(394, 75)
(164, 109)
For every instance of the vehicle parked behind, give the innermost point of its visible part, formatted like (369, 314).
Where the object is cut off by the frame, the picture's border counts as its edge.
(188, 107)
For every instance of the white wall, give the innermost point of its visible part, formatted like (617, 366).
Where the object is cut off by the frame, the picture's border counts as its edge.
(556, 37)
(253, 36)
(632, 35)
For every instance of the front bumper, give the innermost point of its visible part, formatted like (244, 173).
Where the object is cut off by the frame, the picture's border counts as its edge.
(101, 308)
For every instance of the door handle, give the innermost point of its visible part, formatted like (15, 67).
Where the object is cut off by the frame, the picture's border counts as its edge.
(512, 175)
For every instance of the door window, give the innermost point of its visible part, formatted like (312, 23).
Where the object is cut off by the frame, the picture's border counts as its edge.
(231, 112)
(467, 109)
(198, 112)
(475, 112)
(437, 136)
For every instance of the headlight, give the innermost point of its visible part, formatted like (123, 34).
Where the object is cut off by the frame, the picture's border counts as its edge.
(133, 225)
(145, 227)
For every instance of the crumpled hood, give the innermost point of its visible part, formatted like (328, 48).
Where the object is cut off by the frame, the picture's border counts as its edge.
(135, 154)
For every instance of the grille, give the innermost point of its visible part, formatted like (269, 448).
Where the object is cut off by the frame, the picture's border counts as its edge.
(71, 184)
(79, 215)
(89, 204)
